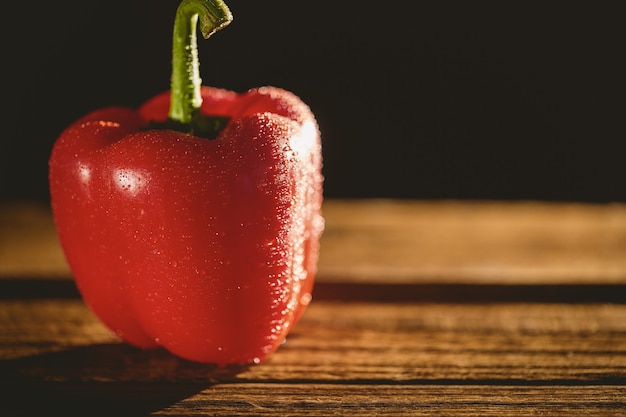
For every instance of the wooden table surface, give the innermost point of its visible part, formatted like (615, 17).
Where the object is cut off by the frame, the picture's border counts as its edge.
(420, 308)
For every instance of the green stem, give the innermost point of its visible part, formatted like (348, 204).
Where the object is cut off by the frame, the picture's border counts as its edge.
(186, 99)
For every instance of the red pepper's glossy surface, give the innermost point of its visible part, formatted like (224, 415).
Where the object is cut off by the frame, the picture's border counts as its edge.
(205, 247)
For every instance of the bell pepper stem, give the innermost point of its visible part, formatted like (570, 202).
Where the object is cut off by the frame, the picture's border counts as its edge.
(186, 83)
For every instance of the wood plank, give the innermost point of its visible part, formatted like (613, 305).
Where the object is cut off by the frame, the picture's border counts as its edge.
(407, 242)
(29, 245)
(474, 242)
(420, 400)
(339, 342)
(106, 399)
(357, 358)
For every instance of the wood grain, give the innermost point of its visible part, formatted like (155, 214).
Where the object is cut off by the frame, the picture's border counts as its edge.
(339, 342)
(28, 242)
(407, 241)
(474, 242)
(402, 400)
(421, 308)
(342, 357)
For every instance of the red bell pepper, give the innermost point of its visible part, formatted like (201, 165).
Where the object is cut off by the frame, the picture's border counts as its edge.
(206, 247)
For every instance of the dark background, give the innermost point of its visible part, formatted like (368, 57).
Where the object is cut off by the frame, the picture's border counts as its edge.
(468, 100)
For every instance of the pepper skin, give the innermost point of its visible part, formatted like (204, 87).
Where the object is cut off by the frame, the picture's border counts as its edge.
(207, 248)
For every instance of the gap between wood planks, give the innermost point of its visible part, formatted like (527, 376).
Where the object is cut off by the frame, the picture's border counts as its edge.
(376, 292)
